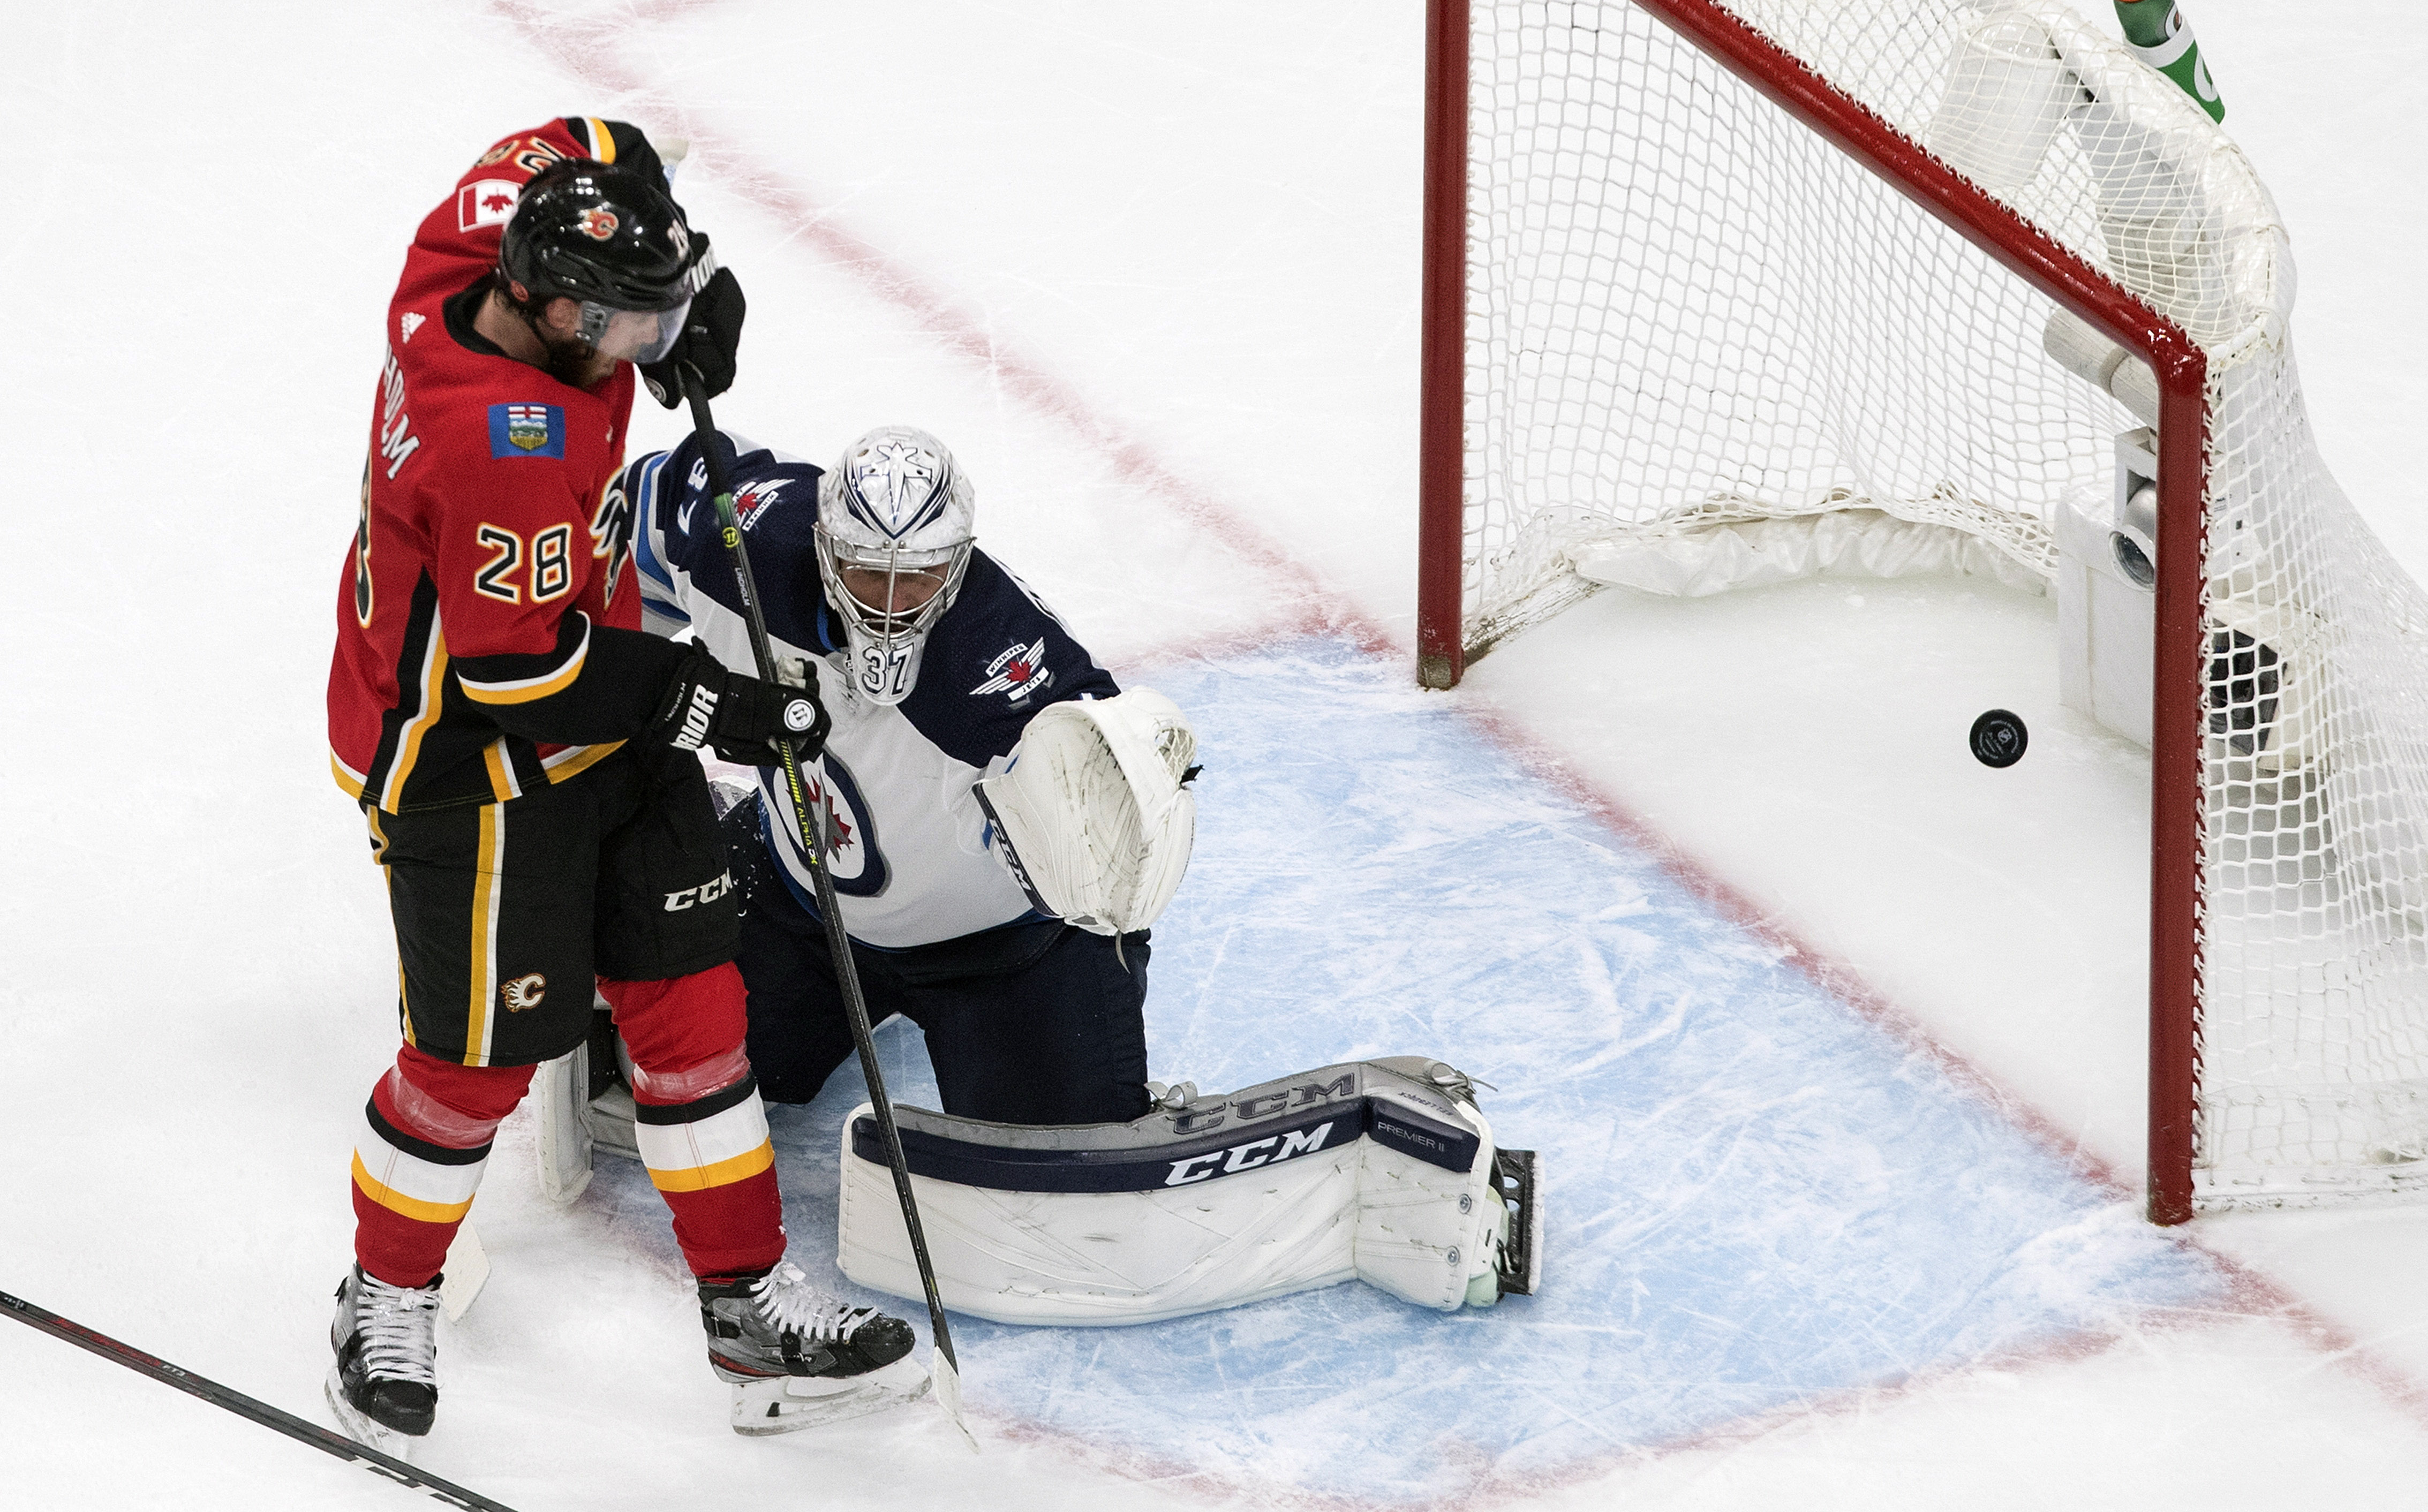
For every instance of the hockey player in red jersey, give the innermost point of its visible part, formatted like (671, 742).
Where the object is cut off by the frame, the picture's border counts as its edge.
(526, 758)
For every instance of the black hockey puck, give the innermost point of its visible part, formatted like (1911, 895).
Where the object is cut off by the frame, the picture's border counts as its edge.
(1999, 738)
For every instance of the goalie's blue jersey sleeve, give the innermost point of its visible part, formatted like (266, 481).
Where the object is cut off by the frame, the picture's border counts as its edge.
(913, 863)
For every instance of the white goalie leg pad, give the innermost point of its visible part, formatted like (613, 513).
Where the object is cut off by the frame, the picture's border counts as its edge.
(1380, 1170)
(464, 1273)
(1092, 811)
(564, 1143)
(573, 1126)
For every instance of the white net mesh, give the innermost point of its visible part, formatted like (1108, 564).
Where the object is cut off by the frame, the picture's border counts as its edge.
(1686, 312)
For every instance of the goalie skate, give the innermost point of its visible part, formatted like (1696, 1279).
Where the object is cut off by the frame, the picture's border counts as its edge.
(798, 1359)
(1517, 1247)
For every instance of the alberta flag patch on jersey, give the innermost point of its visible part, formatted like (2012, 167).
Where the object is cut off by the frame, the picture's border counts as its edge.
(526, 431)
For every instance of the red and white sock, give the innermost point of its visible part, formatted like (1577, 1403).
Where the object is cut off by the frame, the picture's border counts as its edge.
(424, 1140)
(700, 1126)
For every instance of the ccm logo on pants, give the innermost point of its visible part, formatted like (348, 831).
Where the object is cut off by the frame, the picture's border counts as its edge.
(704, 892)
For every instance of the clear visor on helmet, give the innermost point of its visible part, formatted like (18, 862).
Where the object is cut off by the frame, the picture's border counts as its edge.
(633, 336)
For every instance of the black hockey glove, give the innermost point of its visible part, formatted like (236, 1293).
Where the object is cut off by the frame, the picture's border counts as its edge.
(711, 337)
(739, 717)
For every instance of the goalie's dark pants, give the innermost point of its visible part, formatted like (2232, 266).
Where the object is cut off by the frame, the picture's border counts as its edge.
(1035, 1023)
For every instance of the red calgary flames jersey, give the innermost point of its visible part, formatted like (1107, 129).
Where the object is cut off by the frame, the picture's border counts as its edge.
(486, 553)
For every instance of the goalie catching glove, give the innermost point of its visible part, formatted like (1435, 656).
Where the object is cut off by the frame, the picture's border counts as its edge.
(738, 717)
(1092, 811)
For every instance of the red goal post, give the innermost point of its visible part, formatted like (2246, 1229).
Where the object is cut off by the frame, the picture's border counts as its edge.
(2209, 855)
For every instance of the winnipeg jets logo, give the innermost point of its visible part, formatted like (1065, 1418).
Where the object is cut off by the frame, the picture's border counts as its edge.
(838, 833)
(523, 992)
(610, 532)
(754, 497)
(1017, 670)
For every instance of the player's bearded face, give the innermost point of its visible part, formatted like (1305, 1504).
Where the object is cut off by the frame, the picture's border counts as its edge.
(571, 361)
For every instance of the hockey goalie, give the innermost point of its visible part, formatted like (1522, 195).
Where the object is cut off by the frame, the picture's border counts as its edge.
(1384, 1171)
(1013, 828)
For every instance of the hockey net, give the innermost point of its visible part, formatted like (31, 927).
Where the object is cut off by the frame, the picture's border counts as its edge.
(1769, 279)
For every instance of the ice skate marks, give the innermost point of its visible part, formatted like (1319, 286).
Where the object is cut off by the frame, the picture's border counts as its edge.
(1757, 1197)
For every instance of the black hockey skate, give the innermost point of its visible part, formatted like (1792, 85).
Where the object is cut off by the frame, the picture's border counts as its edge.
(796, 1357)
(383, 1386)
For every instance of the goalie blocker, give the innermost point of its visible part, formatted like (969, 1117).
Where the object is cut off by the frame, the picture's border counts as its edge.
(1381, 1170)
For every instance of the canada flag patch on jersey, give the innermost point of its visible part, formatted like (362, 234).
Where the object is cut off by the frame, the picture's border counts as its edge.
(526, 431)
(486, 202)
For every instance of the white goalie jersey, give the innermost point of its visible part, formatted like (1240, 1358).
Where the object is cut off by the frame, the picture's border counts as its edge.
(915, 858)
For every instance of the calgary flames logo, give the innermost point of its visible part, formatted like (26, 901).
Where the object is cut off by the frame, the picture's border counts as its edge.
(523, 992)
(599, 223)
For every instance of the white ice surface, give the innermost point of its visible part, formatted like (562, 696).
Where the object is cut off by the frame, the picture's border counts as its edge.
(1153, 271)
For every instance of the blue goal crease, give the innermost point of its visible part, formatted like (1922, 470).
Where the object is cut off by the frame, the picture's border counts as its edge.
(1754, 1197)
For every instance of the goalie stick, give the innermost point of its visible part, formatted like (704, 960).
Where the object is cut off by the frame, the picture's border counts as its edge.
(323, 1439)
(813, 840)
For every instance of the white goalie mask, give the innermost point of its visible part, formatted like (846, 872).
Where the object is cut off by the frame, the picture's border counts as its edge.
(893, 537)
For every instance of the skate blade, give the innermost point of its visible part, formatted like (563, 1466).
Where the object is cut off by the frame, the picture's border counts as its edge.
(367, 1432)
(787, 1403)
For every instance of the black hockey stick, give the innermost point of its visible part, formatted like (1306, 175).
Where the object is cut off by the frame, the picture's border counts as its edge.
(814, 838)
(327, 1440)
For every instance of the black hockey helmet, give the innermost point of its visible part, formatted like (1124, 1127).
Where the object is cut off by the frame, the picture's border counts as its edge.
(603, 235)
